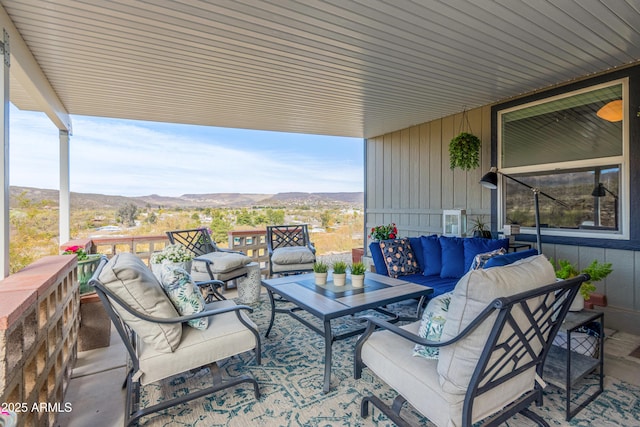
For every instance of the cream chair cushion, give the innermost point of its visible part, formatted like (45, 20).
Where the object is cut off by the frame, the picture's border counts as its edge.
(222, 262)
(130, 279)
(225, 337)
(471, 296)
(292, 255)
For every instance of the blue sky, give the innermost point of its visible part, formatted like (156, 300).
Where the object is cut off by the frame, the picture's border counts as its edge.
(133, 158)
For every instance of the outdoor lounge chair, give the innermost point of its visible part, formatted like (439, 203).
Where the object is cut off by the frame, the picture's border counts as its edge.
(290, 250)
(210, 262)
(498, 331)
(159, 342)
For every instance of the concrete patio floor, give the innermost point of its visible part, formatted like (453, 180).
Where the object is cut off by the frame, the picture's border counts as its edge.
(97, 396)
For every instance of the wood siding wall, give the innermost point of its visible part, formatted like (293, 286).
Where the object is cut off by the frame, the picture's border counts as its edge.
(408, 181)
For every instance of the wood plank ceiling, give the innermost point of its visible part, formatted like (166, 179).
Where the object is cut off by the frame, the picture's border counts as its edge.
(356, 68)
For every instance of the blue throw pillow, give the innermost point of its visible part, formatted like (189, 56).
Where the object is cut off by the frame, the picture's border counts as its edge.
(378, 259)
(506, 259)
(477, 245)
(416, 245)
(452, 257)
(432, 255)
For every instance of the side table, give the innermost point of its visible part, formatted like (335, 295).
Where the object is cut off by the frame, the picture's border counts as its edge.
(565, 366)
(249, 285)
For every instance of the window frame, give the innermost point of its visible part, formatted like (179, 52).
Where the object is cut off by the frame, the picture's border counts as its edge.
(623, 233)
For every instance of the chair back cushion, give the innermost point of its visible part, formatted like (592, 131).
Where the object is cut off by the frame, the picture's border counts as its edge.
(221, 262)
(129, 278)
(288, 255)
(471, 296)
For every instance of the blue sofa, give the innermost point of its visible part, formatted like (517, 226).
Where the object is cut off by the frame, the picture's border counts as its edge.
(442, 260)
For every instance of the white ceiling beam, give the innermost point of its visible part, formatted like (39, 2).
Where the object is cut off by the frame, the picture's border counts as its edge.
(27, 71)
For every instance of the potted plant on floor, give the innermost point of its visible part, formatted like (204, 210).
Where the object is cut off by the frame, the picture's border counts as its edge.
(357, 274)
(339, 273)
(596, 270)
(95, 325)
(320, 270)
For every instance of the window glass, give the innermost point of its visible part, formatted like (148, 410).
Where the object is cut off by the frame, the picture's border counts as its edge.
(570, 148)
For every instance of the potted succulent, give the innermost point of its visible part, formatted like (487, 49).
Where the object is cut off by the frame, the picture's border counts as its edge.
(176, 254)
(596, 270)
(339, 273)
(464, 151)
(480, 228)
(320, 270)
(357, 274)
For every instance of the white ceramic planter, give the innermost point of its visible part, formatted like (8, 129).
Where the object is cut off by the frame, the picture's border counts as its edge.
(578, 303)
(357, 281)
(321, 278)
(339, 279)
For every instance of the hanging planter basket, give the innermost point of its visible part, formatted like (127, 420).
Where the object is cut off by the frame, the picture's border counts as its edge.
(464, 151)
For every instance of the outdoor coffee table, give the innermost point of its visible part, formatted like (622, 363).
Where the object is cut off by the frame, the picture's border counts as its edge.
(328, 302)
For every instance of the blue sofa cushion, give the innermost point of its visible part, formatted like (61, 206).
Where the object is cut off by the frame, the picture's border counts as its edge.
(399, 258)
(440, 286)
(477, 245)
(453, 261)
(378, 259)
(416, 245)
(506, 259)
(432, 255)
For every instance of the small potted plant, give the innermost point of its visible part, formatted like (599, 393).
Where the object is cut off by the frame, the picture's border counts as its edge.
(464, 151)
(596, 270)
(176, 255)
(480, 228)
(320, 270)
(357, 274)
(339, 273)
(384, 232)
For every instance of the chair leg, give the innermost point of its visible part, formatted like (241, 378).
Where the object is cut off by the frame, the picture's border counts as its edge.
(534, 417)
(393, 413)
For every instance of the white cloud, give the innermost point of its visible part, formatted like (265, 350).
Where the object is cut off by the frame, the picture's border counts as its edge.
(132, 158)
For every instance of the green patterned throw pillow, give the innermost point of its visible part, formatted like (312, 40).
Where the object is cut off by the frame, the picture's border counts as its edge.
(184, 294)
(432, 324)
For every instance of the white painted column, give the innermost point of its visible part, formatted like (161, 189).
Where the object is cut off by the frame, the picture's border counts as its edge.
(4, 176)
(64, 221)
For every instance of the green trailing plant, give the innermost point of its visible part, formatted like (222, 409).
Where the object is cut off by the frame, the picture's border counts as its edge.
(320, 267)
(358, 268)
(596, 270)
(464, 151)
(339, 267)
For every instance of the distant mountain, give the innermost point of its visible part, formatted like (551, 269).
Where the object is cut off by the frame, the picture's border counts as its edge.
(213, 200)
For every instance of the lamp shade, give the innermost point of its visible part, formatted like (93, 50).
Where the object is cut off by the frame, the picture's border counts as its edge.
(611, 111)
(490, 179)
(598, 191)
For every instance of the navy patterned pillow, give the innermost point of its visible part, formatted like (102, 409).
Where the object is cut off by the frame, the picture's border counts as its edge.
(399, 257)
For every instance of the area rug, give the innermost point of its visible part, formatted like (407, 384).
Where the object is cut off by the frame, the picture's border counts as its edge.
(291, 378)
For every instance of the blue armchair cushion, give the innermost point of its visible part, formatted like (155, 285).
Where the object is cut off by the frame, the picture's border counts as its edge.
(399, 257)
(506, 259)
(432, 255)
(477, 245)
(416, 246)
(453, 261)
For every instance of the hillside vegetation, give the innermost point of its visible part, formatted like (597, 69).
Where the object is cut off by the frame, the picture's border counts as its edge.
(336, 218)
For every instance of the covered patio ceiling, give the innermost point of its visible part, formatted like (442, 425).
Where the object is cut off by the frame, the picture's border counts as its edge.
(335, 67)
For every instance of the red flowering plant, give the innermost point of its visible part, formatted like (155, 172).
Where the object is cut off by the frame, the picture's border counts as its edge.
(76, 250)
(384, 232)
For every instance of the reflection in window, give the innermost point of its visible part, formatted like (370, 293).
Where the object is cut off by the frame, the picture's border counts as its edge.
(586, 199)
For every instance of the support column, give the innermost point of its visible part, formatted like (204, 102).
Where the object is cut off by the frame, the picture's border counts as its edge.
(64, 221)
(4, 176)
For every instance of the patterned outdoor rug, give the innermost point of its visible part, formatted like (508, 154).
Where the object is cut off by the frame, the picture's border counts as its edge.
(291, 377)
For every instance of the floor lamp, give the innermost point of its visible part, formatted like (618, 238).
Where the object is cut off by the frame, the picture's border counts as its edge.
(490, 180)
